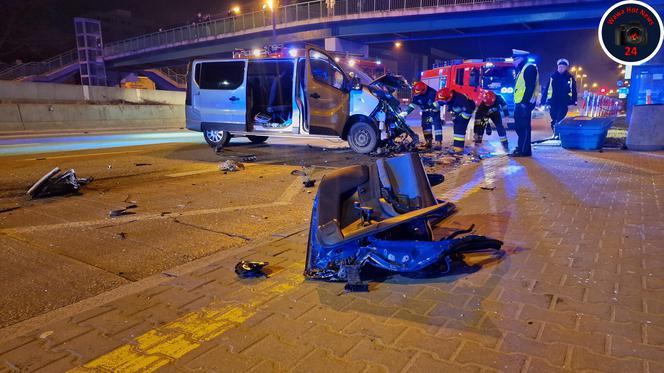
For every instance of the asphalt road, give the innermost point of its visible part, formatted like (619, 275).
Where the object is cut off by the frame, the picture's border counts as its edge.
(58, 251)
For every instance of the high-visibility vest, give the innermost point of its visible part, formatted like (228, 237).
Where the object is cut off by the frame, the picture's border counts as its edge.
(549, 93)
(520, 87)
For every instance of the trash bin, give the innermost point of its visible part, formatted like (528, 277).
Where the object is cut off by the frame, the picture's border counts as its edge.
(584, 133)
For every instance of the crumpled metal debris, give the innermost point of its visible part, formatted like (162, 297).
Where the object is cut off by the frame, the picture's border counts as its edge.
(230, 166)
(249, 269)
(122, 212)
(56, 184)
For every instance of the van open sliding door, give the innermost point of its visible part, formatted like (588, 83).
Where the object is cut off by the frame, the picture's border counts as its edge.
(219, 93)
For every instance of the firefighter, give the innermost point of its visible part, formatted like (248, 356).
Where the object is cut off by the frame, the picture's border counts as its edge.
(560, 92)
(489, 109)
(425, 97)
(526, 93)
(462, 109)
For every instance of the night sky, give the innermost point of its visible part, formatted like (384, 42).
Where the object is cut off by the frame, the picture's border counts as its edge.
(38, 29)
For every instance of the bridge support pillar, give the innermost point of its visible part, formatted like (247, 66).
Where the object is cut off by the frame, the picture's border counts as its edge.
(343, 45)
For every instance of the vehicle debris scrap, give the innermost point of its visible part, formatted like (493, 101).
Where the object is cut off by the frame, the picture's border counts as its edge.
(230, 166)
(250, 269)
(123, 212)
(56, 184)
(381, 215)
(305, 173)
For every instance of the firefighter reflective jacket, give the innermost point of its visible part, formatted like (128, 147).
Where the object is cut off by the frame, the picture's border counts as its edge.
(426, 101)
(460, 105)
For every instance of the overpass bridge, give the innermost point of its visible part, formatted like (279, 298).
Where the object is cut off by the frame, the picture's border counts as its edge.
(372, 22)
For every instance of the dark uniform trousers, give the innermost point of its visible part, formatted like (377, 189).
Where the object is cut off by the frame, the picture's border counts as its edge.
(522, 123)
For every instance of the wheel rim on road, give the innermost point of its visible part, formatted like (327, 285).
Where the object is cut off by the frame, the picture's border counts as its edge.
(214, 135)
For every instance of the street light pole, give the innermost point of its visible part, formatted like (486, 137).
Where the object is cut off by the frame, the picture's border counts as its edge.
(274, 25)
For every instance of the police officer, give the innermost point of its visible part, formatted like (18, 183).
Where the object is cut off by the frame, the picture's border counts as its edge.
(425, 97)
(489, 109)
(462, 109)
(560, 92)
(526, 93)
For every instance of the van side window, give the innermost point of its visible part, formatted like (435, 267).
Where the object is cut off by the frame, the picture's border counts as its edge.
(227, 75)
(197, 74)
(474, 80)
(325, 71)
(459, 77)
(443, 81)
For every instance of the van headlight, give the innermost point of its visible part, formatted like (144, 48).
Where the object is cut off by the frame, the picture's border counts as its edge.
(507, 90)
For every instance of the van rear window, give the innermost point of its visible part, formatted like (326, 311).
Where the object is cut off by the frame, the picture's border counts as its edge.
(227, 75)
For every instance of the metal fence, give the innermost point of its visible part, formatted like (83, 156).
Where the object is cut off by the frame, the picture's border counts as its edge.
(37, 68)
(215, 28)
(598, 106)
(307, 11)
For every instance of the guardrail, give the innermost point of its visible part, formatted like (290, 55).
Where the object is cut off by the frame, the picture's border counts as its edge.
(38, 68)
(307, 11)
(214, 28)
(594, 105)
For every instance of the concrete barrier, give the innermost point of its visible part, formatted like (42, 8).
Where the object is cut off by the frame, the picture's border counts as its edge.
(646, 128)
(12, 91)
(29, 118)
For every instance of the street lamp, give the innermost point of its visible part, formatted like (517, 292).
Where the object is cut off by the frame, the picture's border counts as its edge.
(585, 85)
(234, 10)
(581, 76)
(595, 84)
(397, 44)
(273, 7)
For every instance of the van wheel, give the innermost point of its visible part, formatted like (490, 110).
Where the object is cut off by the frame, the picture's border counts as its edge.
(216, 138)
(257, 139)
(363, 137)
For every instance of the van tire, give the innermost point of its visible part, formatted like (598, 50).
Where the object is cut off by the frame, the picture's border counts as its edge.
(257, 139)
(363, 137)
(216, 138)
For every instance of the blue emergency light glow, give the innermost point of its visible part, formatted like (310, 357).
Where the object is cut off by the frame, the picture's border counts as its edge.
(292, 52)
(531, 60)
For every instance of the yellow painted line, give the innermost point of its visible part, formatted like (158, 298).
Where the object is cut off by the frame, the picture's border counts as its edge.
(164, 345)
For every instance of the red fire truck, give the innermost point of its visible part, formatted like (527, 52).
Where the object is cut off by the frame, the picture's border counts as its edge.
(471, 77)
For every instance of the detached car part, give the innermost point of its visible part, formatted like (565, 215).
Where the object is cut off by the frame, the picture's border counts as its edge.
(56, 184)
(381, 215)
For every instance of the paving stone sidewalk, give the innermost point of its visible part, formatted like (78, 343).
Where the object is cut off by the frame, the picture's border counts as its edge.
(580, 288)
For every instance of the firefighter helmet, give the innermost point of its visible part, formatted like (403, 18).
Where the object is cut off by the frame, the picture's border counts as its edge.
(419, 88)
(489, 98)
(444, 94)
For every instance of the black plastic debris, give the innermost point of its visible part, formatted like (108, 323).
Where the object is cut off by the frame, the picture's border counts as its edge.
(122, 212)
(309, 183)
(56, 184)
(248, 158)
(142, 164)
(9, 209)
(249, 269)
(435, 179)
(487, 187)
(354, 283)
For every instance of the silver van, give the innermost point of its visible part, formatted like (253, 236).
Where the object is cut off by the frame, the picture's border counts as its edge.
(305, 95)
